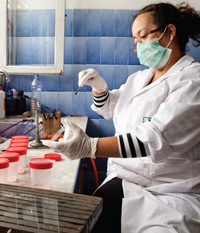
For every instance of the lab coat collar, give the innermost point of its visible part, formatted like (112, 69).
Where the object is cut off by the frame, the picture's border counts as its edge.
(179, 65)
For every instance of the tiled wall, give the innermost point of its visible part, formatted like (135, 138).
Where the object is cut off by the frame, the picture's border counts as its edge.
(100, 39)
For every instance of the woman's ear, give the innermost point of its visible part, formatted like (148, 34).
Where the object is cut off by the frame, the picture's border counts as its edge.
(172, 31)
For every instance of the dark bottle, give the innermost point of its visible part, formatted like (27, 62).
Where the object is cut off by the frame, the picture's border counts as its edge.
(20, 103)
(10, 104)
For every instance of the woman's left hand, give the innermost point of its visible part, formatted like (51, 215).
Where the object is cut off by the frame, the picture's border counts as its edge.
(78, 146)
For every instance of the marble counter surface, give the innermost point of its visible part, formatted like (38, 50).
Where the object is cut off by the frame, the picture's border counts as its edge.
(64, 172)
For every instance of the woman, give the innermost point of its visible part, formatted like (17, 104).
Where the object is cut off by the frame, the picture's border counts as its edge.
(156, 114)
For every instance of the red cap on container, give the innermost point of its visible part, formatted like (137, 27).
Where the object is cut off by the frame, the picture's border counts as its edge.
(53, 156)
(40, 163)
(20, 144)
(4, 163)
(19, 137)
(12, 157)
(19, 150)
(19, 140)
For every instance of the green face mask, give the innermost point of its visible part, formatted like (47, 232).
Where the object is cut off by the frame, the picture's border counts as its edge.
(152, 54)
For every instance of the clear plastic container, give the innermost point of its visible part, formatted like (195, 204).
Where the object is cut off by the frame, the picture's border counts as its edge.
(22, 151)
(4, 164)
(40, 172)
(13, 165)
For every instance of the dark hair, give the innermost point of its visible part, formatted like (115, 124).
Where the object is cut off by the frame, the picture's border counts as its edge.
(184, 18)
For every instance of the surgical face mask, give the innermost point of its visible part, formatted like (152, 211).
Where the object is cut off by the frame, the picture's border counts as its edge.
(152, 54)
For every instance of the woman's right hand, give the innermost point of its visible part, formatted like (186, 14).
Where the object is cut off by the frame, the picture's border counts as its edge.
(92, 78)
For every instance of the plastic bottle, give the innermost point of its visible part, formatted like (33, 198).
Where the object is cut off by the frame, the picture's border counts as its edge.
(36, 88)
(10, 104)
(2, 103)
(20, 103)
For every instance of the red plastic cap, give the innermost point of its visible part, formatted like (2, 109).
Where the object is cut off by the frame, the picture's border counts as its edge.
(19, 150)
(20, 144)
(19, 137)
(12, 157)
(40, 163)
(4, 163)
(53, 156)
(22, 140)
(1, 88)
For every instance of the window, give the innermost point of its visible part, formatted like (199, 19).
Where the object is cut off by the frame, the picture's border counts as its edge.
(32, 36)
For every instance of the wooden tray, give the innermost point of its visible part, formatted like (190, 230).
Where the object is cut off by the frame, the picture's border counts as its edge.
(25, 209)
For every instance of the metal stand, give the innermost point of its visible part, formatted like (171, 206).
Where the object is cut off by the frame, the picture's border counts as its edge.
(37, 142)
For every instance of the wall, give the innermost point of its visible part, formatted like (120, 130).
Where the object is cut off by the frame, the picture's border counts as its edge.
(97, 35)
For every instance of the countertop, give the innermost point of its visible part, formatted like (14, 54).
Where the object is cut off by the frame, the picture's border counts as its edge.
(64, 172)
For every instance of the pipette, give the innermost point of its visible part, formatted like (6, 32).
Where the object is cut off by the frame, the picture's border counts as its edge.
(78, 89)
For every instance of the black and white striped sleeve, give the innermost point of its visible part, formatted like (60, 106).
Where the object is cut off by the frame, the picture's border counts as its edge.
(100, 100)
(130, 146)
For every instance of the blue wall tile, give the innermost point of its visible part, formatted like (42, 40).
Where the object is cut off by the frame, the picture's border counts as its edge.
(79, 23)
(107, 50)
(79, 50)
(122, 51)
(68, 22)
(66, 81)
(93, 50)
(68, 50)
(51, 100)
(50, 41)
(122, 26)
(51, 83)
(107, 23)
(25, 82)
(79, 103)
(93, 22)
(65, 103)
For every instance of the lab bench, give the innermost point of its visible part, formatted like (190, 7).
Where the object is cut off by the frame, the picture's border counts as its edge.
(63, 208)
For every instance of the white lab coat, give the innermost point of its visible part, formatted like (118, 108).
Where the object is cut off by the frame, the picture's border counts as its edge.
(162, 190)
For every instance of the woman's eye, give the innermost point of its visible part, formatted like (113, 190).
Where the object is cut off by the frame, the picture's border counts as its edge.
(144, 36)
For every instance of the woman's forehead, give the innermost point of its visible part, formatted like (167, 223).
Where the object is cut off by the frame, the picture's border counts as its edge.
(143, 21)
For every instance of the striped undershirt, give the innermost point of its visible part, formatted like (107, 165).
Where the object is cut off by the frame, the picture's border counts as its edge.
(130, 146)
(100, 100)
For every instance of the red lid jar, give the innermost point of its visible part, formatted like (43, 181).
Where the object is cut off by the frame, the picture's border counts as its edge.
(19, 137)
(20, 144)
(12, 157)
(53, 156)
(19, 150)
(4, 163)
(40, 163)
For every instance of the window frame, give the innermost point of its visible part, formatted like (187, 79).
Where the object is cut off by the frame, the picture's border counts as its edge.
(58, 68)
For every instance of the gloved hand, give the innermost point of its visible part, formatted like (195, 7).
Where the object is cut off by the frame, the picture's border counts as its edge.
(92, 78)
(77, 147)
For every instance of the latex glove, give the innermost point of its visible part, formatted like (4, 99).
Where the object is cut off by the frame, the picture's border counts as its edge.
(77, 147)
(92, 78)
